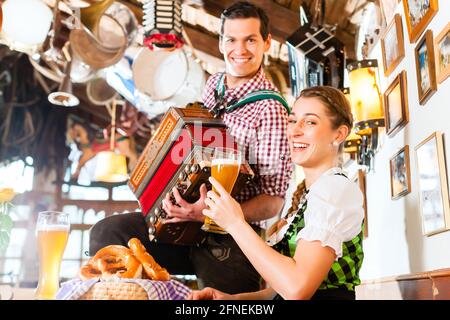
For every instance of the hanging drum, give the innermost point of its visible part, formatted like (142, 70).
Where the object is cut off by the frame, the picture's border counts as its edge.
(170, 76)
(160, 73)
(29, 32)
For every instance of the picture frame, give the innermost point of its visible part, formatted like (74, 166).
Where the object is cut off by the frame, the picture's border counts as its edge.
(388, 8)
(442, 50)
(360, 180)
(400, 171)
(433, 187)
(425, 67)
(418, 14)
(396, 105)
(392, 45)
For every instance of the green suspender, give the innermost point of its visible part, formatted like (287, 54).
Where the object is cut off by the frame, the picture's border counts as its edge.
(250, 97)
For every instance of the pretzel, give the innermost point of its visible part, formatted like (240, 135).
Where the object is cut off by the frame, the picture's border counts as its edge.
(153, 270)
(89, 271)
(116, 260)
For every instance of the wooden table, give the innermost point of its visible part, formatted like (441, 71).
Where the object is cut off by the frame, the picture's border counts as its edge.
(10, 293)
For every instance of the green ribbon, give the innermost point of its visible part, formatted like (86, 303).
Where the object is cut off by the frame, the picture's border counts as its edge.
(249, 97)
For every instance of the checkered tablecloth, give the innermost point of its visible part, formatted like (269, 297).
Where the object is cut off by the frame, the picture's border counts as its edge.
(156, 290)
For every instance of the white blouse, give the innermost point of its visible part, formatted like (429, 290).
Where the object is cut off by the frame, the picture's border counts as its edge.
(334, 213)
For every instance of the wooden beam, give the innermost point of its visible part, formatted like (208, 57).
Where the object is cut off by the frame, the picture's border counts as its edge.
(203, 41)
(283, 21)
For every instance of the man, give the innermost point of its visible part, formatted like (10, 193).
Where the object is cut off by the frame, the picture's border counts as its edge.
(259, 127)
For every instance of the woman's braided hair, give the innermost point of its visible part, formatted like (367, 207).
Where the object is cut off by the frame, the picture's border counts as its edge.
(296, 197)
(339, 111)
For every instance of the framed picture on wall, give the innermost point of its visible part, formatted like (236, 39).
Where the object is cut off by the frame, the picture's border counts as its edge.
(400, 174)
(442, 49)
(396, 105)
(433, 187)
(392, 47)
(388, 9)
(425, 67)
(360, 180)
(418, 14)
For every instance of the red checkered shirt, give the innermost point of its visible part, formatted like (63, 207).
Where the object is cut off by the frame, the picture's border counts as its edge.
(259, 128)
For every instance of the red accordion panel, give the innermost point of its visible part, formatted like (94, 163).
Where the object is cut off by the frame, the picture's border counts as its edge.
(190, 136)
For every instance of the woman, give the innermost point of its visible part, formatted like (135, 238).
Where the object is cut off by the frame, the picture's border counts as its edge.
(315, 251)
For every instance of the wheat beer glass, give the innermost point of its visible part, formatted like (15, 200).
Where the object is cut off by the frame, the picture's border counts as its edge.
(225, 168)
(52, 233)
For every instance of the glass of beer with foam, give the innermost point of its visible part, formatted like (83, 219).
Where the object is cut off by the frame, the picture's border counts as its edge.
(52, 234)
(225, 167)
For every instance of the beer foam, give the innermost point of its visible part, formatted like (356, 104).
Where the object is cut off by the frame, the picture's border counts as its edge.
(53, 228)
(217, 162)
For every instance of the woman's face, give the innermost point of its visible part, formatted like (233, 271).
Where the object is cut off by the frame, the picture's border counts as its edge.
(311, 135)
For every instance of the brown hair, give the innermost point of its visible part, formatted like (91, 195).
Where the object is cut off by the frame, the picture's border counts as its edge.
(338, 106)
(243, 10)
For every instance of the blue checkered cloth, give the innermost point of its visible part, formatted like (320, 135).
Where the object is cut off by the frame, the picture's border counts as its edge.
(156, 290)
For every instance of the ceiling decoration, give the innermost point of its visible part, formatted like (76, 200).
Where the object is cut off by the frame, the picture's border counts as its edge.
(119, 47)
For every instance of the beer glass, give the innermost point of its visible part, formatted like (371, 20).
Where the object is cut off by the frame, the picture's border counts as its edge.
(52, 234)
(225, 168)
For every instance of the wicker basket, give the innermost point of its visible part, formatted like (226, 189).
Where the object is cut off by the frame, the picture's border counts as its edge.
(115, 291)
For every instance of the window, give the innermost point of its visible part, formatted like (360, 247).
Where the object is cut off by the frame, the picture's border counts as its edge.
(86, 205)
(19, 176)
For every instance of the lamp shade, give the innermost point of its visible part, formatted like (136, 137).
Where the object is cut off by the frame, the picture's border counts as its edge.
(365, 97)
(25, 24)
(111, 167)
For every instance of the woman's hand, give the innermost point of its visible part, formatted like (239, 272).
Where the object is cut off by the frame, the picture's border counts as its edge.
(183, 210)
(223, 209)
(209, 294)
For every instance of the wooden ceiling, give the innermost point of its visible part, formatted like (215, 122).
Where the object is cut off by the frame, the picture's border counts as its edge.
(341, 15)
(201, 22)
(201, 26)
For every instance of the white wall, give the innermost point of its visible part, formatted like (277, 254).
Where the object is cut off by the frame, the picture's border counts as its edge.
(395, 244)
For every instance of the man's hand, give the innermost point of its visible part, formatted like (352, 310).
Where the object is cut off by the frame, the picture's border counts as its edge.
(183, 210)
(208, 294)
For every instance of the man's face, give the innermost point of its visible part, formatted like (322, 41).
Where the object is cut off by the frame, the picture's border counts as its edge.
(243, 46)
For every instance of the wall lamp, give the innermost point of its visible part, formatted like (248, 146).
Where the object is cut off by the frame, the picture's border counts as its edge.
(367, 108)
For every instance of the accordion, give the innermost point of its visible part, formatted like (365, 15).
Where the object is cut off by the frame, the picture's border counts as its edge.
(179, 155)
